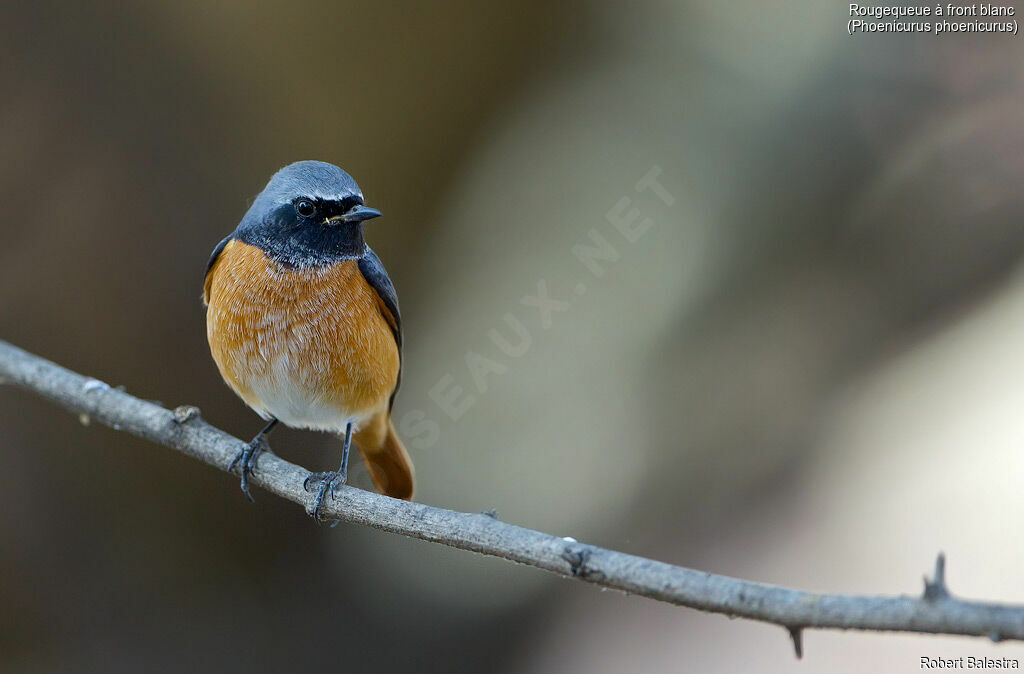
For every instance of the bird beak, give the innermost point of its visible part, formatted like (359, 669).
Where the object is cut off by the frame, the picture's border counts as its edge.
(355, 214)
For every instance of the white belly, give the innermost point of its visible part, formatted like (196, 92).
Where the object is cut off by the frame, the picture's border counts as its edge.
(279, 396)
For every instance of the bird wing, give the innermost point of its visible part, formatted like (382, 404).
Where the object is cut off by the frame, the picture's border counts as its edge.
(209, 266)
(375, 274)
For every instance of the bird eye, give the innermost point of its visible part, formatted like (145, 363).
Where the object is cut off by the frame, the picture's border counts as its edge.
(305, 208)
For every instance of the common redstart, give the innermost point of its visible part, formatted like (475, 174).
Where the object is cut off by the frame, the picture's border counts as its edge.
(303, 323)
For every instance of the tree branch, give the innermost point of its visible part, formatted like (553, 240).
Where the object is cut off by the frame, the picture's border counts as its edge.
(935, 611)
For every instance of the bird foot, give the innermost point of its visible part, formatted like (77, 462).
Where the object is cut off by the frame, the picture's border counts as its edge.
(329, 481)
(247, 461)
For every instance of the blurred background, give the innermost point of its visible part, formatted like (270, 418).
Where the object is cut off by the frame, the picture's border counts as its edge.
(799, 361)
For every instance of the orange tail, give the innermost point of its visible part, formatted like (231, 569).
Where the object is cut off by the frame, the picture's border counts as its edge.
(385, 456)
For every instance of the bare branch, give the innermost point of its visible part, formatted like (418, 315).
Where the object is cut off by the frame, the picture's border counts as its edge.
(936, 612)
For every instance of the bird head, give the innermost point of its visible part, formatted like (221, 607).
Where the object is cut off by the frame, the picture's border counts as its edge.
(311, 213)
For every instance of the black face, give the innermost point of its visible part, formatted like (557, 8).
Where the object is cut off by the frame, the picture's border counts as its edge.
(310, 231)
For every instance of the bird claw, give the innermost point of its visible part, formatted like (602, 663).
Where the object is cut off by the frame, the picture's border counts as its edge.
(247, 460)
(329, 482)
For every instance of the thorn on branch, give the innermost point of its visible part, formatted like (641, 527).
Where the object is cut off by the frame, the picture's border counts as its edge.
(492, 513)
(185, 413)
(797, 635)
(935, 588)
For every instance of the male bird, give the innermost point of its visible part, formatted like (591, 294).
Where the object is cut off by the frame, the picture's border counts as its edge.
(303, 323)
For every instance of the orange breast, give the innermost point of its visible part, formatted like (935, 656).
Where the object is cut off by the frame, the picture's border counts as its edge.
(307, 346)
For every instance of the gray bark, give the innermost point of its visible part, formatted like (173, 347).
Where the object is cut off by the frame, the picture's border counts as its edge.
(935, 611)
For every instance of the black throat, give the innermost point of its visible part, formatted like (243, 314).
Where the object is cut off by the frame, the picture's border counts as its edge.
(305, 244)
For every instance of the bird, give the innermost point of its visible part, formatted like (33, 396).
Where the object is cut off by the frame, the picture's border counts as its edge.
(303, 324)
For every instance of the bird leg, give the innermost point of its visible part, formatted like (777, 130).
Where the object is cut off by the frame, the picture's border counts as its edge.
(249, 456)
(331, 479)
